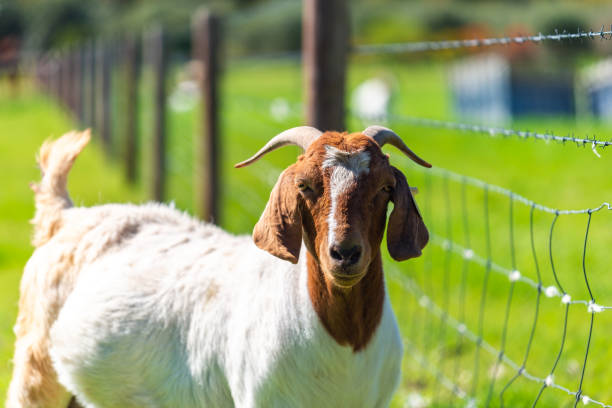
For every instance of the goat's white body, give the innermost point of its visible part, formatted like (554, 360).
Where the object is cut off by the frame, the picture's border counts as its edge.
(175, 313)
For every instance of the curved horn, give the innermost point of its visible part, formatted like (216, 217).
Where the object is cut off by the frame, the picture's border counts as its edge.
(384, 135)
(301, 136)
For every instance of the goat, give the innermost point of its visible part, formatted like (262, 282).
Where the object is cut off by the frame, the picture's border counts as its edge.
(143, 306)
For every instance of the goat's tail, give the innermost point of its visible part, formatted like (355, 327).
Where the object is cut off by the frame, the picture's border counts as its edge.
(51, 196)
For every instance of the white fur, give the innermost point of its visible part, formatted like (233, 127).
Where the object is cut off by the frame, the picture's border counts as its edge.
(346, 168)
(171, 312)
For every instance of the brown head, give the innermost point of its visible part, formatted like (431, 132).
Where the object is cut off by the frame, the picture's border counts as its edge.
(335, 198)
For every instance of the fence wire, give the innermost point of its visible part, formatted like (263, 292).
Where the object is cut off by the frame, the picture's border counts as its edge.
(429, 306)
(441, 309)
(491, 131)
(421, 46)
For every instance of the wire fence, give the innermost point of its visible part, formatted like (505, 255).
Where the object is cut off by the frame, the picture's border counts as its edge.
(430, 336)
(411, 47)
(492, 131)
(456, 319)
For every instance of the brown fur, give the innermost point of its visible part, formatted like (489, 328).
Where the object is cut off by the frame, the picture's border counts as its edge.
(351, 311)
(279, 229)
(349, 316)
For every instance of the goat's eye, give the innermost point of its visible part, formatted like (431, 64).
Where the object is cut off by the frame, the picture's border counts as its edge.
(303, 186)
(387, 189)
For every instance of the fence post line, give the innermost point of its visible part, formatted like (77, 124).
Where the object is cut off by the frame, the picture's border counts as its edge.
(86, 70)
(131, 105)
(103, 102)
(205, 43)
(157, 52)
(38, 73)
(65, 73)
(105, 126)
(70, 80)
(56, 77)
(77, 90)
(44, 73)
(325, 40)
(61, 68)
(91, 84)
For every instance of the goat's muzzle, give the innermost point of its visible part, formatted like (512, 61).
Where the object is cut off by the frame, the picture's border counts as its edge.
(345, 262)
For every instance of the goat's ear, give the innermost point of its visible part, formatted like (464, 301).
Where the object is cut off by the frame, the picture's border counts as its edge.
(406, 232)
(279, 230)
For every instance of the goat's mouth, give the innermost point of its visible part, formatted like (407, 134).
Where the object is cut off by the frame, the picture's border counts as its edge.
(346, 278)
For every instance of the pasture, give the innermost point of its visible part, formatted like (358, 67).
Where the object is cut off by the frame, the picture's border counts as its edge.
(554, 175)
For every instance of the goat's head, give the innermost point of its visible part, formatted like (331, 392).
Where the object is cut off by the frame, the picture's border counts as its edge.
(335, 198)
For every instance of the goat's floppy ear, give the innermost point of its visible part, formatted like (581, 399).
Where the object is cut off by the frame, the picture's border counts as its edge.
(279, 229)
(406, 232)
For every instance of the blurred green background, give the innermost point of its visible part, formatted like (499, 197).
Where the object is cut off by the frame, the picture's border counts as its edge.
(261, 95)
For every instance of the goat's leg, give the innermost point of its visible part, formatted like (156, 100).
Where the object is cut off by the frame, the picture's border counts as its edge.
(34, 383)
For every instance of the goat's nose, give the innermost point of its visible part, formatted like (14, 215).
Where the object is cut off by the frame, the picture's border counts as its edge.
(346, 255)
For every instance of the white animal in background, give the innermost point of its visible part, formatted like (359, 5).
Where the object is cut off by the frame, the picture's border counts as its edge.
(144, 306)
(371, 99)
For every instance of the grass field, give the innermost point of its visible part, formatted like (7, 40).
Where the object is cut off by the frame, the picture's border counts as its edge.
(564, 177)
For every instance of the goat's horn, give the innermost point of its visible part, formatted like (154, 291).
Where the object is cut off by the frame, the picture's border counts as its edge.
(384, 135)
(301, 136)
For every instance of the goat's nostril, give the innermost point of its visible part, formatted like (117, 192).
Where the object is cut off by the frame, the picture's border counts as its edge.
(348, 256)
(335, 254)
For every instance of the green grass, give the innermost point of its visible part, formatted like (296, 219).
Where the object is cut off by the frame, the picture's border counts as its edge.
(558, 176)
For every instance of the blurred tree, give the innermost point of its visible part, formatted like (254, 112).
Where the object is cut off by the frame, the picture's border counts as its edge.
(12, 21)
(12, 28)
(57, 23)
(269, 27)
(445, 20)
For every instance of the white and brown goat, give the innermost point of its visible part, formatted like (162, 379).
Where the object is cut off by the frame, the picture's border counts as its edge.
(143, 306)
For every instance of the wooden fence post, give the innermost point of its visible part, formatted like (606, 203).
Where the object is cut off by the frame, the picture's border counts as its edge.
(325, 39)
(65, 72)
(77, 80)
(131, 61)
(60, 77)
(89, 84)
(41, 80)
(205, 43)
(103, 102)
(70, 80)
(44, 73)
(105, 98)
(99, 61)
(56, 77)
(156, 51)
